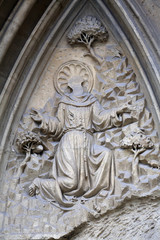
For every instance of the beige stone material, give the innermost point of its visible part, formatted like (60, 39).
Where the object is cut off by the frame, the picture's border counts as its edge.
(80, 151)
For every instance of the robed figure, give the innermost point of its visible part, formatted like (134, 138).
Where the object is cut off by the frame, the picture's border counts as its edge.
(81, 168)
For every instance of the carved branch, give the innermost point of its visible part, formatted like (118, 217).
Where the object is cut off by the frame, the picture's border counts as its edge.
(22, 167)
(93, 55)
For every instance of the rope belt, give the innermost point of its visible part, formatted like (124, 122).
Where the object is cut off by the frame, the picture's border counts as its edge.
(79, 129)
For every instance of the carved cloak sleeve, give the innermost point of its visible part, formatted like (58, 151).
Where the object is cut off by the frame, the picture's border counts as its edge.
(104, 119)
(54, 125)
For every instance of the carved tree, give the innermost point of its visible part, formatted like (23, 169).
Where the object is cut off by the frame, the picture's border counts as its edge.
(138, 142)
(27, 142)
(86, 31)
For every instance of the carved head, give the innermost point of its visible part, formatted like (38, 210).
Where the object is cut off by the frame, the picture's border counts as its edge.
(75, 81)
(73, 73)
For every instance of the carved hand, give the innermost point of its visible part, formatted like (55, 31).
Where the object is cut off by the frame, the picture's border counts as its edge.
(36, 116)
(126, 108)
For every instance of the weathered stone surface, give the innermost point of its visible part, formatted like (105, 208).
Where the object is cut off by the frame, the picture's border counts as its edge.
(129, 208)
(138, 219)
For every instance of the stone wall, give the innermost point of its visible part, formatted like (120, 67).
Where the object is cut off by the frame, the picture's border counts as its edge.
(124, 67)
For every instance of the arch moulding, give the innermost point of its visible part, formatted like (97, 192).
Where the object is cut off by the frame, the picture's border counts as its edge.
(23, 81)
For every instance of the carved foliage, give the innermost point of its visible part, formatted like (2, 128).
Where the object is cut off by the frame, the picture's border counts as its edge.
(28, 141)
(137, 140)
(86, 30)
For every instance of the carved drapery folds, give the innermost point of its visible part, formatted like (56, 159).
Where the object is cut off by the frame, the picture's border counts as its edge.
(94, 144)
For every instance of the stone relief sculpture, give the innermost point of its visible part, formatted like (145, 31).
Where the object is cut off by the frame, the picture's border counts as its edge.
(81, 168)
(94, 144)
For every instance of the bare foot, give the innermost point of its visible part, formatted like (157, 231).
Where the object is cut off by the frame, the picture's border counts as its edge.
(74, 199)
(32, 190)
(83, 200)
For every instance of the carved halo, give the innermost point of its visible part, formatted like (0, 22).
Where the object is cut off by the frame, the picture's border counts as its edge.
(70, 69)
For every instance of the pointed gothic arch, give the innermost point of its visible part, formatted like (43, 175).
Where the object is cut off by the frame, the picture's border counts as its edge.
(132, 33)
